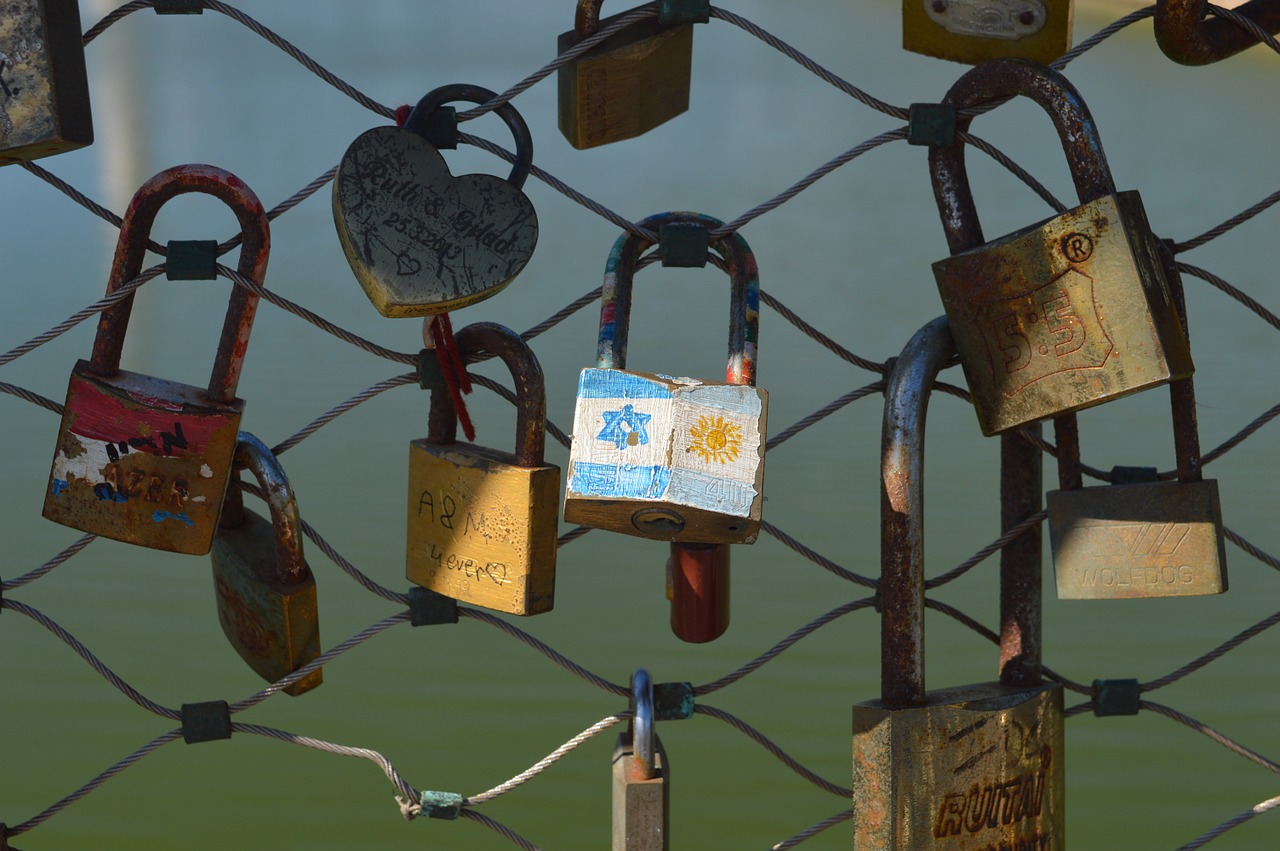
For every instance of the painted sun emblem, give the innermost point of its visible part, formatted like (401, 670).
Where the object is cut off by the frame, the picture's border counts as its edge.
(716, 439)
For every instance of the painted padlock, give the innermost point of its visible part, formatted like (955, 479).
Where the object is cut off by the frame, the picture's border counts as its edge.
(483, 522)
(265, 591)
(969, 768)
(974, 31)
(142, 459)
(419, 240)
(1139, 537)
(632, 81)
(1066, 313)
(673, 459)
(44, 89)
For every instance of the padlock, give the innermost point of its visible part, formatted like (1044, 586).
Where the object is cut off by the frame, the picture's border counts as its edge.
(662, 457)
(419, 240)
(44, 90)
(975, 31)
(142, 459)
(631, 82)
(1139, 537)
(1189, 36)
(265, 591)
(968, 768)
(641, 777)
(482, 522)
(1066, 313)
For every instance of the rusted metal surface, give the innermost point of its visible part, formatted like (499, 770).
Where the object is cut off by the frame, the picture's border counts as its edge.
(1188, 37)
(698, 577)
(1182, 394)
(641, 788)
(1021, 573)
(642, 723)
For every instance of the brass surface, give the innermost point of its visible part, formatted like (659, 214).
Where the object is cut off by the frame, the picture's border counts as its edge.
(973, 31)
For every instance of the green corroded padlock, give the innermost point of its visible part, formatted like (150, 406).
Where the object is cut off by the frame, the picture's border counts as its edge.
(641, 777)
(1066, 313)
(969, 768)
(142, 459)
(482, 522)
(265, 590)
(673, 459)
(631, 82)
(974, 31)
(419, 240)
(44, 90)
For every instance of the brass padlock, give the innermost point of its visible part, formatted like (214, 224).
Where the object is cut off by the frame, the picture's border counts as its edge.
(1139, 537)
(1189, 36)
(969, 768)
(44, 90)
(265, 591)
(641, 777)
(482, 522)
(629, 83)
(673, 459)
(974, 31)
(142, 459)
(1065, 313)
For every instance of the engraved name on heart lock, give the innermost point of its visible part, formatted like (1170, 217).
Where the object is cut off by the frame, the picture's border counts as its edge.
(419, 240)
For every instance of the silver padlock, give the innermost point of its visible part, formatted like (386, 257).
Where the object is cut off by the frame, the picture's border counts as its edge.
(640, 787)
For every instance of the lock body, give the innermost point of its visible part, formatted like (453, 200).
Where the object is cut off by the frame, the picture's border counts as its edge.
(974, 768)
(142, 460)
(640, 821)
(973, 31)
(673, 459)
(627, 85)
(482, 529)
(1064, 314)
(271, 621)
(1147, 539)
(44, 90)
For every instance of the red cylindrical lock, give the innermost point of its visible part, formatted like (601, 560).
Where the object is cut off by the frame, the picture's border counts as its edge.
(698, 588)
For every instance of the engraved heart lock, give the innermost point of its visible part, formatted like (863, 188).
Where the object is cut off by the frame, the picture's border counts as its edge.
(419, 240)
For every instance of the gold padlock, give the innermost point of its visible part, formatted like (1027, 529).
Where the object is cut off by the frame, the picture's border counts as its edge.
(974, 31)
(482, 522)
(631, 82)
(1138, 537)
(1066, 313)
(968, 768)
(44, 90)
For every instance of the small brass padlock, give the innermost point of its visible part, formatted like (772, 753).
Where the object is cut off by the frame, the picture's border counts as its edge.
(482, 522)
(265, 591)
(673, 459)
(1066, 313)
(974, 31)
(641, 777)
(142, 459)
(632, 81)
(1138, 537)
(44, 90)
(969, 768)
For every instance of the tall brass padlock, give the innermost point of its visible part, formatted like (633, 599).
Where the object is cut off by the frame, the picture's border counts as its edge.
(632, 81)
(266, 593)
(673, 459)
(641, 777)
(1139, 537)
(969, 768)
(44, 90)
(142, 459)
(482, 522)
(1066, 313)
(974, 31)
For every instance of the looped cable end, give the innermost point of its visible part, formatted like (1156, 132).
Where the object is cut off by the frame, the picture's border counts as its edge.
(409, 809)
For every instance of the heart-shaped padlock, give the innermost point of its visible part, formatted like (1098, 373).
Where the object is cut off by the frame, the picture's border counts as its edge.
(419, 240)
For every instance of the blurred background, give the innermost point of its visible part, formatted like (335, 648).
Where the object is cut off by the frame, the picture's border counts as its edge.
(463, 708)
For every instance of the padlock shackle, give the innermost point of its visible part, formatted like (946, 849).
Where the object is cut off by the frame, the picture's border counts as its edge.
(586, 21)
(252, 454)
(436, 98)
(643, 737)
(907, 392)
(997, 80)
(530, 388)
(1189, 38)
(135, 230)
(744, 314)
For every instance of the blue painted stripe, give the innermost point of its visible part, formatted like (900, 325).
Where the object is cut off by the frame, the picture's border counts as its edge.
(616, 384)
(626, 482)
